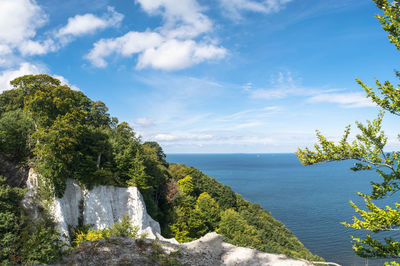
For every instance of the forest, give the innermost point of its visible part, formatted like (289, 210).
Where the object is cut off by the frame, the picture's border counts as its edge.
(61, 133)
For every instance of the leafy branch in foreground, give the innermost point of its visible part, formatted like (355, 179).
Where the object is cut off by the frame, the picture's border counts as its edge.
(368, 151)
(390, 20)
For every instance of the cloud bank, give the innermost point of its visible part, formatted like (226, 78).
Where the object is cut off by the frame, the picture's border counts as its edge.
(181, 41)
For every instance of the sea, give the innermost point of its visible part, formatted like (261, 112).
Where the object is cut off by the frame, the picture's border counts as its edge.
(311, 201)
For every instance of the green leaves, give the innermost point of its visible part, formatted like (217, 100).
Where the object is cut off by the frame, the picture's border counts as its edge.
(186, 185)
(57, 150)
(390, 20)
(372, 248)
(376, 219)
(389, 98)
(16, 128)
(368, 149)
(23, 241)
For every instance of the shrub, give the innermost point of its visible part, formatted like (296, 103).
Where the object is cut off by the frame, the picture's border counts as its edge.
(121, 229)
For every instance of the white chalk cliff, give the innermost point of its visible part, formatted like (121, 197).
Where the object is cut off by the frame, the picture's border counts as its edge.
(101, 207)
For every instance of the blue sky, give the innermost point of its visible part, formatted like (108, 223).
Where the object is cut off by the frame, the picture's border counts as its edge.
(221, 76)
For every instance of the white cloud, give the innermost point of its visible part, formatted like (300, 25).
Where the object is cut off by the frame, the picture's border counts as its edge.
(182, 137)
(247, 125)
(144, 122)
(165, 137)
(65, 81)
(126, 45)
(183, 18)
(171, 46)
(234, 8)
(283, 85)
(24, 69)
(19, 20)
(28, 69)
(30, 47)
(89, 23)
(249, 114)
(221, 139)
(347, 100)
(5, 49)
(174, 54)
(273, 93)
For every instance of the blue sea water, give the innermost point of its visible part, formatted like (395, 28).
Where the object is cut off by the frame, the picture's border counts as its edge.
(311, 201)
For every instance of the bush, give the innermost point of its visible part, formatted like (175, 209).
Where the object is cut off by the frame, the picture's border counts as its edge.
(23, 241)
(121, 229)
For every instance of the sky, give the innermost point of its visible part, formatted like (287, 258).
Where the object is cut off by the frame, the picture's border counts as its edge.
(210, 76)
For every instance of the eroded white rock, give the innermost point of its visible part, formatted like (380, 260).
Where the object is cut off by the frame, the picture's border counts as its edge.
(106, 205)
(65, 210)
(101, 207)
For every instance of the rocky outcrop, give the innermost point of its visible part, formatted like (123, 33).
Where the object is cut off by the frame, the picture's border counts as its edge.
(209, 250)
(99, 207)
(15, 174)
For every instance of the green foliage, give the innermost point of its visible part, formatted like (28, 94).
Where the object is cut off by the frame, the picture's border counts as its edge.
(16, 128)
(392, 263)
(186, 185)
(239, 221)
(368, 150)
(274, 236)
(237, 231)
(390, 20)
(125, 147)
(209, 210)
(119, 229)
(23, 241)
(224, 195)
(41, 243)
(376, 219)
(159, 256)
(137, 173)
(57, 150)
(189, 223)
(156, 169)
(66, 135)
(10, 219)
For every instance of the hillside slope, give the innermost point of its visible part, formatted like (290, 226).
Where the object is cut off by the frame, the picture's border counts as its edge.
(63, 134)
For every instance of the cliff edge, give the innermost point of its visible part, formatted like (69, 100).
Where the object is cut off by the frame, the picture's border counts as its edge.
(210, 250)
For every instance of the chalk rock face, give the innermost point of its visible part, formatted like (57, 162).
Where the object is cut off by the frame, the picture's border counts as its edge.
(105, 205)
(101, 207)
(29, 200)
(65, 210)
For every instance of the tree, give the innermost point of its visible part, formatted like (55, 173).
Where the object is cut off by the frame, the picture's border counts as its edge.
(186, 185)
(209, 209)
(236, 229)
(368, 150)
(57, 151)
(16, 128)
